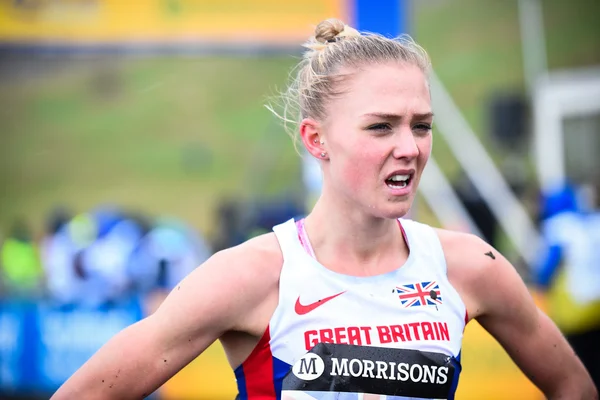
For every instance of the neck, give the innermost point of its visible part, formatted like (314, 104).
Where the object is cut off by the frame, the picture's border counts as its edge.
(352, 238)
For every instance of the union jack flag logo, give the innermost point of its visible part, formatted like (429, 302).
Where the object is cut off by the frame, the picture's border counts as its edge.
(420, 294)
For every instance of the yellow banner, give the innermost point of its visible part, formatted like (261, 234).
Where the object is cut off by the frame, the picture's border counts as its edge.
(82, 21)
(488, 372)
(208, 377)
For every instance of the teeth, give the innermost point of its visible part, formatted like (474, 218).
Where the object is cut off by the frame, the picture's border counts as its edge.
(400, 185)
(399, 178)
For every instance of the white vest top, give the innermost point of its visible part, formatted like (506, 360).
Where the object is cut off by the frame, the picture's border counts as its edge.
(332, 336)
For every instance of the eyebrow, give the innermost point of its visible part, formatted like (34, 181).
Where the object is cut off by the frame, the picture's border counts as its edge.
(396, 116)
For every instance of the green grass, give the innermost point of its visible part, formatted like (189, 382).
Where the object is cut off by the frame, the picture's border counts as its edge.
(164, 135)
(173, 135)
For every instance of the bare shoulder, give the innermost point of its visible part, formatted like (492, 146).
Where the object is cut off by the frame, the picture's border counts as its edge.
(465, 250)
(254, 265)
(475, 269)
(257, 260)
(230, 288)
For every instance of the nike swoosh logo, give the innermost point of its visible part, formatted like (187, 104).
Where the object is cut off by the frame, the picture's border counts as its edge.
(305, 309)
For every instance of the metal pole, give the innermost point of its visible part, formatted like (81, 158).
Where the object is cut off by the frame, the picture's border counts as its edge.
(481, 170)
(533, 42)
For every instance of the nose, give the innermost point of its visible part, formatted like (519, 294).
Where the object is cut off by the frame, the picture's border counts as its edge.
(405, 145)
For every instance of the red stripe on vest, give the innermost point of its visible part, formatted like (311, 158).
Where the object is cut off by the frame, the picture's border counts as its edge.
(258, 370)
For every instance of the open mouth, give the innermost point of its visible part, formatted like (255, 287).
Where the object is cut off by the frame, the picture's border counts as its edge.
(398, 181)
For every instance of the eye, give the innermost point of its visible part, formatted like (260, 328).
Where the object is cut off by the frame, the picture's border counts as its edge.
(382, 126)
(422, 128)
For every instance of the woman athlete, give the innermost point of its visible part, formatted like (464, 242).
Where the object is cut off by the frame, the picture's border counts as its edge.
(354, 301)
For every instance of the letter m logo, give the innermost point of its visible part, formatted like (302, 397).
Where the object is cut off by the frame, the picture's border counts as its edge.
(308, 366)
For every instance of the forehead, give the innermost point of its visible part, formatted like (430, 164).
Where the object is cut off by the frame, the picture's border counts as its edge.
(393, 88)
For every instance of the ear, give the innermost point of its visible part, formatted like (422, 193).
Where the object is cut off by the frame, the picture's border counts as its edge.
(311, 134)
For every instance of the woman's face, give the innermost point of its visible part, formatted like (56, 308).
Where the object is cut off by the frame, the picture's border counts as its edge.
(377, 138)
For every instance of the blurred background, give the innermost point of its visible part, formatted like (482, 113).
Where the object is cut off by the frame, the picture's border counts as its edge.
(134, 143)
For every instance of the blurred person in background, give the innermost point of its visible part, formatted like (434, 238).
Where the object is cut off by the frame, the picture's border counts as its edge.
(65, 238)
(477, 208)
(169, 251)
(21, 271)
(353, 272)
(231, 222)
(569, 270)
(105, 261)
(53, 245)
(86, 259)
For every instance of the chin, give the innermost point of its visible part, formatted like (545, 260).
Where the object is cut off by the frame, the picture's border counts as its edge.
(395, 211)
(399, 214)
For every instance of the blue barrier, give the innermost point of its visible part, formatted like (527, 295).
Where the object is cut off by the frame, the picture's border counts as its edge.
(41, 345)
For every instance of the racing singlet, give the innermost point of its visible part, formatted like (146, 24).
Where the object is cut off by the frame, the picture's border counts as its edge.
(333, 336)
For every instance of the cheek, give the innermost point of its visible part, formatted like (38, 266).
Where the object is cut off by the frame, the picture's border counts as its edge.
(353, 176)
(425, 150)
(359, 167)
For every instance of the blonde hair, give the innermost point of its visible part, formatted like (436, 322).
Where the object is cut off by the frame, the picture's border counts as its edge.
(334, 46)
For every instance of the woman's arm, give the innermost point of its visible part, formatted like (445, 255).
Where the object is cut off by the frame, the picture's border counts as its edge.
(218, 296)
(497, 297)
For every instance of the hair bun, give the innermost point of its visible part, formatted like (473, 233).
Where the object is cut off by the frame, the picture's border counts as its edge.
(328, 30)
